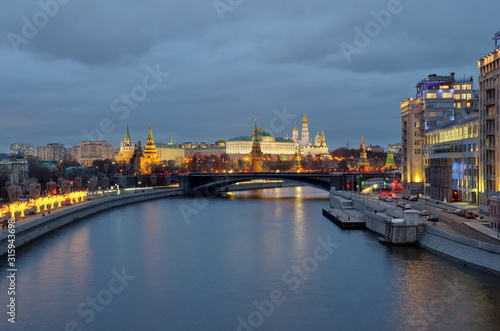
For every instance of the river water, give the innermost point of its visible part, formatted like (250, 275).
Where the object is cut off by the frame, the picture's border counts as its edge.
(256, 260)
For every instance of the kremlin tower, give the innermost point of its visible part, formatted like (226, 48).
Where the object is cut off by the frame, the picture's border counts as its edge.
(149, 156)
(126, 151)
(256, 155)
(363, 163)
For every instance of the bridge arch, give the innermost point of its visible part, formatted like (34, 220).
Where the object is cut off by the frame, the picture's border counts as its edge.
(219, 185)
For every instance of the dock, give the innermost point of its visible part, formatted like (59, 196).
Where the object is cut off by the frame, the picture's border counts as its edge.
(344, 219)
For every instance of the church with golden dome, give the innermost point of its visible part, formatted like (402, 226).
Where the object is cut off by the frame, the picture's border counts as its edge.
(303, 143)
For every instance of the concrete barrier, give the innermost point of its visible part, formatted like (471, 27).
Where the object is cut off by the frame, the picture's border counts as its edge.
(31, 230)
(466, 251)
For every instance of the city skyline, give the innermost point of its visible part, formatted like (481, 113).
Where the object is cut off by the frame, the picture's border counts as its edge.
(205, 77)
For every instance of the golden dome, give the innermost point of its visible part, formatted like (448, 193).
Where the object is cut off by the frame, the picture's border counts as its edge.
(304, 119)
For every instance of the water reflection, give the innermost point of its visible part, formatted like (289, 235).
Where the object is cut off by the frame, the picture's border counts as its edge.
(233, 253)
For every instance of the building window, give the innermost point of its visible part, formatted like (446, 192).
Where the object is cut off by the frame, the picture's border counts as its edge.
(431, 96)
(457, 96)
(417, 115)
(467, 87)
(418, 151)
(447, 113)
(431, 123)
(458, 105)
(457, 87)
(467, 96)
(430, 105)
(447, 95)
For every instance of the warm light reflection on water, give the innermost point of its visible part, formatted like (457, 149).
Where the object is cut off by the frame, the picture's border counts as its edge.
(233, 252)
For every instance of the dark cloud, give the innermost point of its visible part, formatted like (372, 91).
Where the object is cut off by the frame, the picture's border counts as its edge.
(260, 57)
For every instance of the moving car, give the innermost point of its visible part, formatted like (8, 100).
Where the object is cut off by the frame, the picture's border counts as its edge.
(424, 213)
(469, 214)
(432, 218)
(404, 205)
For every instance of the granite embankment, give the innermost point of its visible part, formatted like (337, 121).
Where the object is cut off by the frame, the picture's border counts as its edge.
(466, 251)
(27, 231)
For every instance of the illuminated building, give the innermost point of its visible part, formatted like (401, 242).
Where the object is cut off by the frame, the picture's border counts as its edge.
(170, 152)
(363, 164)
(489, 110)
(89, 151)
(411, 146)
(389, 162)
(241, 146)
(205, 150)
(439, 100)
(304, 144)
(15, 168)
(451, 160)
(54, 152)
(286, 148)
(22, 148)
(256, 155)
(149, 155)
(126, 151)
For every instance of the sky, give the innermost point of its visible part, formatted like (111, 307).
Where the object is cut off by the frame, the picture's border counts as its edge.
(203, 70)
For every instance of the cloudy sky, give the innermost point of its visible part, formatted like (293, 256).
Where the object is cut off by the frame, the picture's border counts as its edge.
(203, 70)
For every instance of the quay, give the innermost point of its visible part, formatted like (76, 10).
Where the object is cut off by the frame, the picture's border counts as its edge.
(343, 219)
(406, 228)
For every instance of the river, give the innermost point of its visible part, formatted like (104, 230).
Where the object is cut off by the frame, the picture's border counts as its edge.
(256, 260)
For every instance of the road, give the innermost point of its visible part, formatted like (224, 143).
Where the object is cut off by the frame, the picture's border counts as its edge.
(447, 220)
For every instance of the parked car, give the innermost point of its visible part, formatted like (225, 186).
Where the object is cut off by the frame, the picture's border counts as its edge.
(413, 198)
(432, 218)
(388, 199)
(424, 213)
(459, 212)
